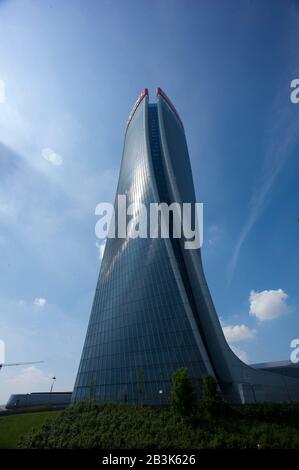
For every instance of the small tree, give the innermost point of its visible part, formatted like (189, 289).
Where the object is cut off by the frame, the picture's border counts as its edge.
(212, 404)
(183, 394)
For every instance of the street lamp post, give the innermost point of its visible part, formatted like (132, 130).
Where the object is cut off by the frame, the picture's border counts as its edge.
(53, 378)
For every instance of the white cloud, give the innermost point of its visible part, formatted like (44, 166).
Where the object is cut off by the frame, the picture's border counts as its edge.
(268, 304)
(2, 92)
(236, 333)
(52, 156)
(241, 354)
(40, 302)
(30, 379)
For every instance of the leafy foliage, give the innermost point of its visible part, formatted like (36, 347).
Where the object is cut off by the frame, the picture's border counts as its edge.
(183, 394)
(91, 425)
(211, 423)
(211, 403)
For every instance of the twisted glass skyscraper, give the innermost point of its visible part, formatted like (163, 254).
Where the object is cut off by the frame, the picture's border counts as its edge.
(152, 311)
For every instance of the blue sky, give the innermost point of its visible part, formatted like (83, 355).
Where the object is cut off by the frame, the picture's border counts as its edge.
(69, 74)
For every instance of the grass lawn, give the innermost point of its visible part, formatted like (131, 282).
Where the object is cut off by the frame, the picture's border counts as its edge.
(13, 426)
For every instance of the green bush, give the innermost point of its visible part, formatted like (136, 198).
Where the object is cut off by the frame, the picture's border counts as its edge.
(122, 426)
(187, 423)
(270, 413)
(183, 394)
(211, 402)
(89, 425)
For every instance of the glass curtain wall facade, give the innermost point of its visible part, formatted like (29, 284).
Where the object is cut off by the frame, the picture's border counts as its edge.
(152, 311)
(141, 327)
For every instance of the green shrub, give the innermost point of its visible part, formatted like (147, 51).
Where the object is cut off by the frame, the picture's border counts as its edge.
(183, 394)
(270, 413)
(211, 403)
(89, 425)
